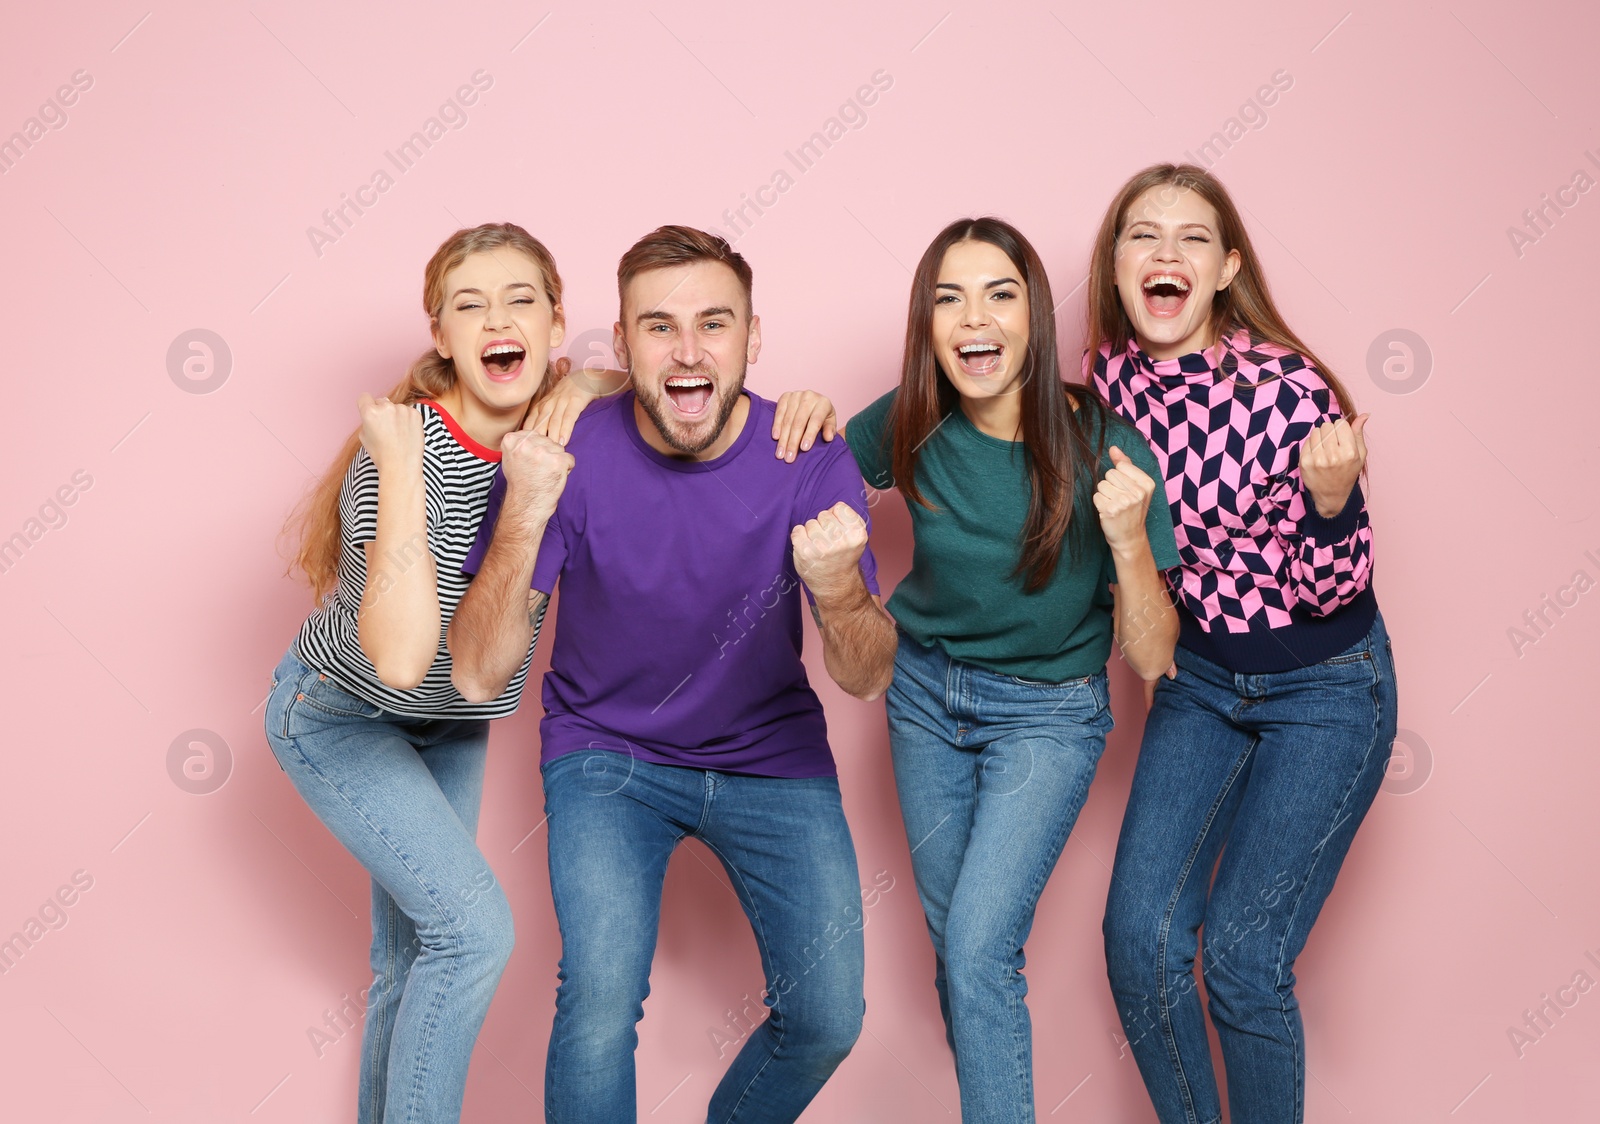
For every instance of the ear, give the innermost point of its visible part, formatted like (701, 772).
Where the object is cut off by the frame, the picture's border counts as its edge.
(752, 347)
(439, 343)
(558, 327)
(1230, 269)
(619, 346)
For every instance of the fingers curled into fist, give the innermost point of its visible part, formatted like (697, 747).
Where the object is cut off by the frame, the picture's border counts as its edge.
(1122, 499)
(828, 548)
(1331, 458)
(391, 433)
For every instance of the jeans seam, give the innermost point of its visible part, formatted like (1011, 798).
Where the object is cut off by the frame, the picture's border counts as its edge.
(759, 925)
(1344, 801)
(1170, 1039)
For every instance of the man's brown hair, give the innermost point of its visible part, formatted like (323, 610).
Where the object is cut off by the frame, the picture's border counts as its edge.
(680, 245)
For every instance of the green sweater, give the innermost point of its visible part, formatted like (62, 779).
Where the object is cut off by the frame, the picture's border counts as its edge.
(961, 593)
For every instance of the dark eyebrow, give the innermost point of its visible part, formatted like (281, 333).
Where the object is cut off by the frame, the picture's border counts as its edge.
(667, 317)
(988, 285)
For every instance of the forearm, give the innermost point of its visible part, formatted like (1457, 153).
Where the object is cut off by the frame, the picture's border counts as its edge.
(398, 623)
(858, 639)
(1146, 623)
(493, 624)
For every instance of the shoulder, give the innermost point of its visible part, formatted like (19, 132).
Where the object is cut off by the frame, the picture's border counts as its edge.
(1301, 386)
(874, 417)
(599, 422)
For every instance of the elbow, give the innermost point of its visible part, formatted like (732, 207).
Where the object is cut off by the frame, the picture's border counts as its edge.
(401, 675)
(473, 688)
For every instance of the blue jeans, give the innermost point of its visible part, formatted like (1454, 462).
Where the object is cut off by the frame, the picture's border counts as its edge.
(402, 795)
(614, 822)
(992, 771)
(1275, 772)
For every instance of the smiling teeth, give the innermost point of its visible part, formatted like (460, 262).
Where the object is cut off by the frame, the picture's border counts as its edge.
(975, 348)
(689, 382)
(1167, 279)
(502, 349)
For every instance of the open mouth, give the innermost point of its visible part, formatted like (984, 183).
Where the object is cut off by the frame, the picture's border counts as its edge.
(1165, 293)
(980, 358)
(690, 394)
(502, 360)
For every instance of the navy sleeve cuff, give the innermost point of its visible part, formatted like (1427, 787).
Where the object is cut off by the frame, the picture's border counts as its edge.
(1341, 526)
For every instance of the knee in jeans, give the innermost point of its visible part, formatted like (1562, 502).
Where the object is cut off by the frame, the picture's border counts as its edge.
(485, 928)
(1133, 939)
(826, 1037)
(977, 960)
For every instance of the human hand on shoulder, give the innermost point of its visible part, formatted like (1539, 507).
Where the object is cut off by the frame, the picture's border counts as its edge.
(800, 416)
(555, 414)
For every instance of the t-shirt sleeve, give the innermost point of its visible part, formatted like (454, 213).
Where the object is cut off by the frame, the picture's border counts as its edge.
(358, 500)
(473, 562)
(864, 434)
(1158, 520)
(836, 478)
(552, 548)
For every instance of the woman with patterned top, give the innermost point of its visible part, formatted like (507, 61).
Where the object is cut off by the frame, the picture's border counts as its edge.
(1267, 740)
(363, 715)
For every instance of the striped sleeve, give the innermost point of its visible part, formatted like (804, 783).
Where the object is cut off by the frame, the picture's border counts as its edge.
(358, 500)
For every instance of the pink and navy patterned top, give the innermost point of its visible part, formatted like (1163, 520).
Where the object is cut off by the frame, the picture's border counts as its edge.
(1267, 584)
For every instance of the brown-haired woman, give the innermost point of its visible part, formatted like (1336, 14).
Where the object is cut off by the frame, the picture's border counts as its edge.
(1269, 739)
(1029, 505)
(363, 715)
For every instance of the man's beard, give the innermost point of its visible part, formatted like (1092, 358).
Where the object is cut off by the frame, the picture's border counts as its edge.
(650, 399)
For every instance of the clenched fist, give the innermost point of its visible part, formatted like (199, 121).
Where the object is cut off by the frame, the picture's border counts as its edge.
(1331, 457)
(536, 471)
(827, 550)
(1123, 501)
(391, 433)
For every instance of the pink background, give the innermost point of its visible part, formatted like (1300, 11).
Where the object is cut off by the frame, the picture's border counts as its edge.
(221, 925)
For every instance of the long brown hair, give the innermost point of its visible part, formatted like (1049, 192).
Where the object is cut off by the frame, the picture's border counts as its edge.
(1246, 302)
(316, 521)
(1062, 447)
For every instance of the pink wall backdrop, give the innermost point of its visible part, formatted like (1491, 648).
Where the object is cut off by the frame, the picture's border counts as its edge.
(185, 352)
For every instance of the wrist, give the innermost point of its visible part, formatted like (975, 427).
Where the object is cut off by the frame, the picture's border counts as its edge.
(1131, 552)
(845, 594)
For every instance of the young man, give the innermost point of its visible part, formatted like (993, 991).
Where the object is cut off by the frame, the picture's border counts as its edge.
(676, 704)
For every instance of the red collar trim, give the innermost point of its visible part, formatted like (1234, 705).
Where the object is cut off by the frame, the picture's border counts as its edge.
(482, 452)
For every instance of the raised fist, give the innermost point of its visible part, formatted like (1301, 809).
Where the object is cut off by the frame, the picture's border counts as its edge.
(391, 433)
(1331, 457)
(536, 472)
(828, 549)
(1123, 500)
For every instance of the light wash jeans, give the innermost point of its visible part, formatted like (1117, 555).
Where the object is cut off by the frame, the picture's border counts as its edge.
(992, 771)
(402, 795)
(1275, 772)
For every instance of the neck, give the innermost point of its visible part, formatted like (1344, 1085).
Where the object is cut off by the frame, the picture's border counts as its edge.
(730, 432)
(998, 416)
(484, 424)
(1196, 341)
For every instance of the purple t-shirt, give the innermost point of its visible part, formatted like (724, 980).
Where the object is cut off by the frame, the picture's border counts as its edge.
(679, 625)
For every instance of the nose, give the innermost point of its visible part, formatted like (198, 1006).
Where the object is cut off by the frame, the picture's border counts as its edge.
(688, 352)
(496, 316)
(1169, 250)
(975, 314)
